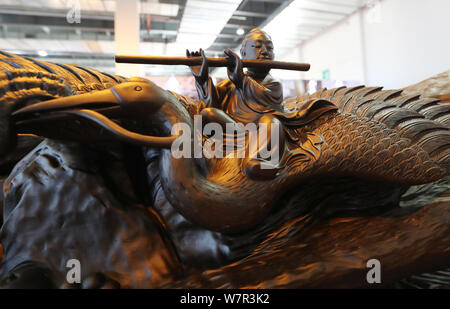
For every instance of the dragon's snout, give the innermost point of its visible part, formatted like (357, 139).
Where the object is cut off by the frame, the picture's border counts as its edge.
(135, 99)
(132, 98)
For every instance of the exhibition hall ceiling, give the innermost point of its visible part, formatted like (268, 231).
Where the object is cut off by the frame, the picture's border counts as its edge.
(39, 28)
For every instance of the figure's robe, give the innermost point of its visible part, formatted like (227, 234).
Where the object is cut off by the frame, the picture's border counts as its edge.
(247, 104)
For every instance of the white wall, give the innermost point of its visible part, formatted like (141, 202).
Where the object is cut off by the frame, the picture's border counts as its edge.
(126, 28)
(339, 50)
(410, 44)
(395, 44)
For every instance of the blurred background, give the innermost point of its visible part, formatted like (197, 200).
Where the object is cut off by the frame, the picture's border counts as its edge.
(393, 43)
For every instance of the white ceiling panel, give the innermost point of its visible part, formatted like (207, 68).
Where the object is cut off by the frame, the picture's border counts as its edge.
(331, 7)
(107, 47)
(157, 8)
(110, 5)
(9, 2)
(202, 21)
(76, 46)
(57, 4)
(91, 5)
(7, 45)
(305, 19)
(147, 7)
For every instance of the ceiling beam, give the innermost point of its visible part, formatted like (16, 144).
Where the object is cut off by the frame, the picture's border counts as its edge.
(68, 55)
(250, 14)
(88, 25)
(269, 1)
(36, 11)
(222, 44)
(229, 36)
(238, 26)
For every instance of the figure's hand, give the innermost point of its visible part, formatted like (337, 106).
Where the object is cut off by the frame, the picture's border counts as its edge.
(200, 72)
(235, 70)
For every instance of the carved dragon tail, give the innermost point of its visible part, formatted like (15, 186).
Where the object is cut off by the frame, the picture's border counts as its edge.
(79, 78)
(385, 134)
(424, 121)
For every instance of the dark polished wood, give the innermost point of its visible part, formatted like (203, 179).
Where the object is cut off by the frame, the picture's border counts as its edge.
(213, 62)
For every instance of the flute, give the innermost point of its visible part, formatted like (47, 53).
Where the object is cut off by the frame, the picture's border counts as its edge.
(213, 62)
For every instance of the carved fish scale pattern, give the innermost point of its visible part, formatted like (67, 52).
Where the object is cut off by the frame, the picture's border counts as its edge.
(423, 121)
(80, 78)
(357, 147)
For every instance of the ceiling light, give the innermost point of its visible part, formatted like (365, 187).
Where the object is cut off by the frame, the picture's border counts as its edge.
(305, 19)
(202, 21)
(240, 31)
(42, 53)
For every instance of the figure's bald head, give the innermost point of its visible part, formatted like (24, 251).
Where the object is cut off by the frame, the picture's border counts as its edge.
(257, 45)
